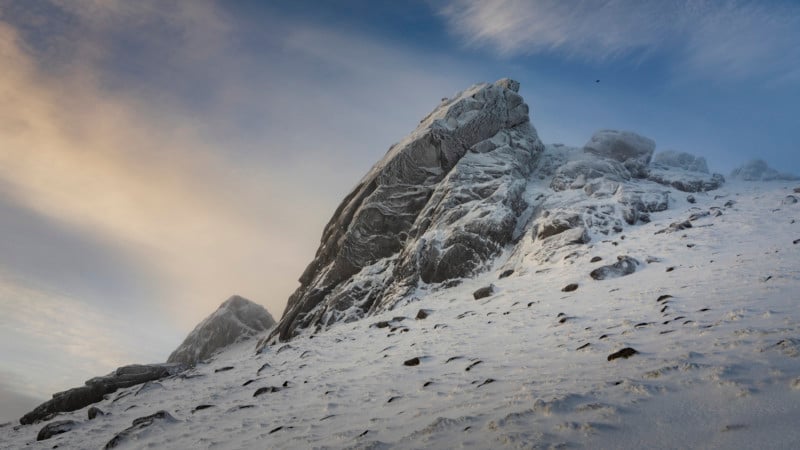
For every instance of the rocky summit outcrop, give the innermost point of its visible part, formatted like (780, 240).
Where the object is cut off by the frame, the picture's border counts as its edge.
(235, 320)
(683, 171)
(439, 206)
(96, 388)
(758, 170)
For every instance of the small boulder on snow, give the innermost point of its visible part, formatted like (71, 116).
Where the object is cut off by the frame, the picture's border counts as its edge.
(54, 428)
(625, 265)
(483, 292)
(633, 150)
(236, 319)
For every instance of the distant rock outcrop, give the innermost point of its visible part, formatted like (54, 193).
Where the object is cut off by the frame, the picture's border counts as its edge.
(632, 150)
(758, 170)
(671, 159)
(95, 388)
(464, 170)
(235, 320)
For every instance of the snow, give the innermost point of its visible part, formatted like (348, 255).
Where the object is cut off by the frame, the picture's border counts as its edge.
(717, 367)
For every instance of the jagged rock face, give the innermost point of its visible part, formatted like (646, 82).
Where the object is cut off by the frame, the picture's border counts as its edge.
(235, 320)
(758, 170)
(437, 207)
(680, 160)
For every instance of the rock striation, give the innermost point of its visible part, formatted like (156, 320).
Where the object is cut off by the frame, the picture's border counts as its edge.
(237, 319)
(439, 206)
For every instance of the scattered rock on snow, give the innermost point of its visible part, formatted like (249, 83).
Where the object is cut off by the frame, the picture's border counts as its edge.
(506, 273)
(54, 428)
(94, 412)
(625, 265)
(570, 287)
(411, 362)
(625, 353)
(129, 434)
(789, 200)
(223, 369)
(690, 198)
(483, 292)
(423, 314)
(596, 259)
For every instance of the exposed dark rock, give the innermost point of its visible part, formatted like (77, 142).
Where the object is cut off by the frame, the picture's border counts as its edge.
(412, 362)
(583, 346)
(129, 434)
(381, 324)
(201, 407)
(264, 367)
(96, 388)
(789, 200)
(474, 363)
(391, 399)
(463, 169)
(596, 259)
(729, 204)
(796, 241)
(506, 273)
(266, 390)
(675, 226)
(797, 190)
(54, 428)
(570, 287)
(487, 381)
(661, 298)
(94, 412)
(626, 353)
(670, 269)
(483, 292)
(625, 265)
(422, 314)
(237, 319)
(223, 369)
(690, 198)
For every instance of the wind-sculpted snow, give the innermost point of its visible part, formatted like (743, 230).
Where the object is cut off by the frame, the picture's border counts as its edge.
(235, 320)
(437, 207)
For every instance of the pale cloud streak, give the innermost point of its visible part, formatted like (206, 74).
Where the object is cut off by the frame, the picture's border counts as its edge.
(725, 39)
(144, 128)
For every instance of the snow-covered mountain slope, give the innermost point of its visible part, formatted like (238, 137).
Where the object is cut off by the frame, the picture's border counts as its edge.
(712, 312)
(235, 320)
(510, 295)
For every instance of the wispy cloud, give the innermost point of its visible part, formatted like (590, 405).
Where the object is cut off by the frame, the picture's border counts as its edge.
(723, 39)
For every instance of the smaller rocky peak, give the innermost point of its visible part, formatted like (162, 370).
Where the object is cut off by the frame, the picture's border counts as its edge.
(759, 170)
(237, 319)
(632, 150)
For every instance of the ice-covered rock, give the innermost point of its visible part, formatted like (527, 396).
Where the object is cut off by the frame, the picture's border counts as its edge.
(671, 159)
(758, 170)
(235, 320)
(629, 148)
(686, 181)
(439, 205)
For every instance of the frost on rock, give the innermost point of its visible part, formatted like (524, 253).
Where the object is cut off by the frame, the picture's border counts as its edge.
(671, 159)
(235, 320)
(630, 149)
(438, 206)
(758, 170)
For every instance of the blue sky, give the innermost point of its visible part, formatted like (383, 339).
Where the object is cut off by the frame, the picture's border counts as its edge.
(157, 157)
